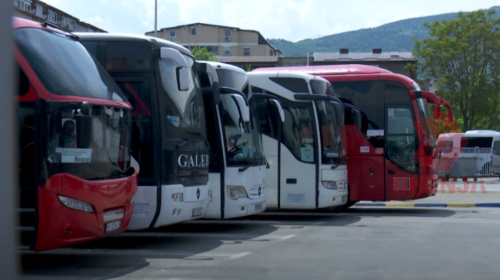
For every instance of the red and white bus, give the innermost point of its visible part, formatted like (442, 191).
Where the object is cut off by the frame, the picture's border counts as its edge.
(75, 177)
(390, 157)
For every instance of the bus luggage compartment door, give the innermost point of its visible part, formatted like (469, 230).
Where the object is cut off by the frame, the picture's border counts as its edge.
(366, 177)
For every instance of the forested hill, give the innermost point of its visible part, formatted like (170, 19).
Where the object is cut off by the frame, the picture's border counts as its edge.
(394, 36)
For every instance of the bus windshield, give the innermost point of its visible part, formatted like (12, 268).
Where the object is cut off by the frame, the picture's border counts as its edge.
(108, 154)
(64, 66)
(330, 131)
(243, 142)
(184, 109)
(232, 79)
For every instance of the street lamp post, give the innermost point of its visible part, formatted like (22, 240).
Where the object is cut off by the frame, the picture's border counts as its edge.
(156, 11)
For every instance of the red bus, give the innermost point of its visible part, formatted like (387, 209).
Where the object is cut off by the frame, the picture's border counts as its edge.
(75, 176)
(390, 156)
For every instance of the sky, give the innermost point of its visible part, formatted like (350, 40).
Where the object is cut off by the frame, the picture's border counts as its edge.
(291, 20)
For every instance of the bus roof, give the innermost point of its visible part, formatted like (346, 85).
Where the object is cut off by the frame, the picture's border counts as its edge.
(344, 69)
(87, 36)
(221, 65)
(262, 80)
(332, 71)
(18, 22)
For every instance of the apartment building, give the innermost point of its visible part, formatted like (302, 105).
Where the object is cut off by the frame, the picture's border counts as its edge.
(40, 11)
(221, 40)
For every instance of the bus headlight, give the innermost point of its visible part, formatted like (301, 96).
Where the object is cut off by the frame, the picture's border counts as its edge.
(331, 185)
(76, 204)
(179, 197)
(235, 192)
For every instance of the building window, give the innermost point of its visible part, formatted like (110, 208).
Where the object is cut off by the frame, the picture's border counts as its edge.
(172, 34)
(227, 32)
(213, 49)
(246, 50)
(227, 50)
(193, 31)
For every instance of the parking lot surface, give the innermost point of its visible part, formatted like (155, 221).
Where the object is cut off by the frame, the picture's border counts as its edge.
(361, 243)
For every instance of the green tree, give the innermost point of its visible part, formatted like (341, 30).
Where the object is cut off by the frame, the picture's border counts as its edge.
(462, 55)
(203, 54)
(248, 67)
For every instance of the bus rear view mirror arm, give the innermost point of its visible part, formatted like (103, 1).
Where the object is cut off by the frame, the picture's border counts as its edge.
(244, 109)
(280, 109)
(183, 73)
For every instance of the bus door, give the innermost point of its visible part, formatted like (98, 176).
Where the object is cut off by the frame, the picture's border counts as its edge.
(140, 90)
(401, 164)
(270, 116)
(298, 159)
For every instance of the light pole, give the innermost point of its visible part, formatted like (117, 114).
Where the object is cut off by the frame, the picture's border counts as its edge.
(156, 11)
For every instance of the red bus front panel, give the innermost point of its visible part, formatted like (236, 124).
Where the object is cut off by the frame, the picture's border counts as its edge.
(60, 226)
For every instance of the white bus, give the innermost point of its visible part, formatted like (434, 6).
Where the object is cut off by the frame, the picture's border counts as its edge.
(237, 169)
(477, 143)
(168, 141)
(304, 153)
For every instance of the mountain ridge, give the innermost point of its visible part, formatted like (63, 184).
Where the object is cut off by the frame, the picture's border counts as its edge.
(398, 36)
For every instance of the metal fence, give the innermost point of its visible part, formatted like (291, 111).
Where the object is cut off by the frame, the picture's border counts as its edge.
(483, 156)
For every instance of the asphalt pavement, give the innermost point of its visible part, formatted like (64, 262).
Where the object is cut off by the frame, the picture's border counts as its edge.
(361, 243)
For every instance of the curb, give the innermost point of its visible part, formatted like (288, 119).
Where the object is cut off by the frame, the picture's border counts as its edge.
(440, 205)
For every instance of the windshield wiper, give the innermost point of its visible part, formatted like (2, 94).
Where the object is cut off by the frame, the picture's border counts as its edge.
(241, 169)
(70, 35)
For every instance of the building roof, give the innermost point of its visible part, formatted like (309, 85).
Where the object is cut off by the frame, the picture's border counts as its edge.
(262, 40)
(38, 2)
(249, 59)
(363, 56)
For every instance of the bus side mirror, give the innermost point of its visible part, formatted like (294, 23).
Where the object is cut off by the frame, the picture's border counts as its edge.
(83, 131)
(280, 109)
(183, 78)
(183, 72)
(244, 109)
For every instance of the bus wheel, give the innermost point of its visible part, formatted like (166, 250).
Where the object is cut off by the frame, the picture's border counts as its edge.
(465, 179)
(444, 179)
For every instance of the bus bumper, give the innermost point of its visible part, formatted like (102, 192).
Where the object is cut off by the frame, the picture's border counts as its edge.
(194, 204)
(62, 226)
(244, 207)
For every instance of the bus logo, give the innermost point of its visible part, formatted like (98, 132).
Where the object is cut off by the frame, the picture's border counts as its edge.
(198, 194)
(192, 161)
(259, 191)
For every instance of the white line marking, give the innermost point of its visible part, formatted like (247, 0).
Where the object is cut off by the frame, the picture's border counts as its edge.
(240, 255)
(287, 237)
